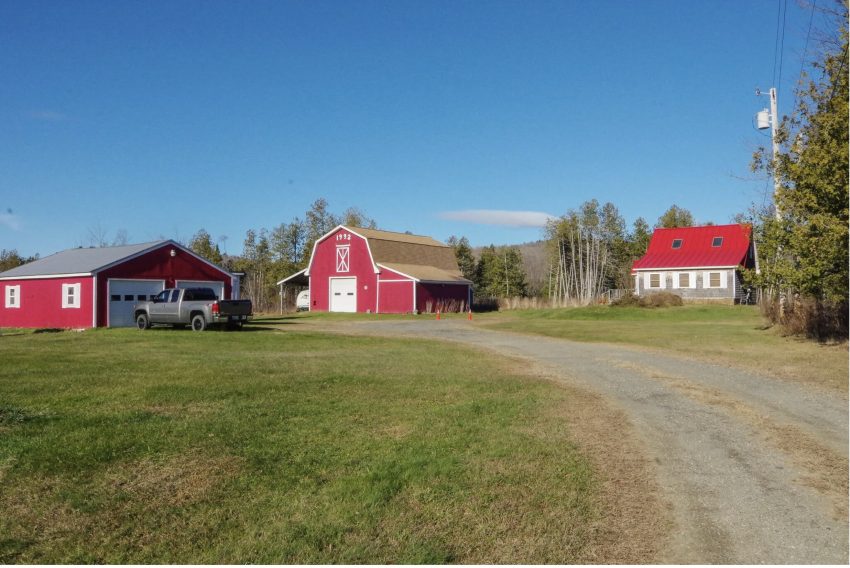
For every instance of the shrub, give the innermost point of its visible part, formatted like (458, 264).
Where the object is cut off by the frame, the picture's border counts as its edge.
(661, 300)
(656, 300)
(815, 319)
(626, 300)
(485, 305)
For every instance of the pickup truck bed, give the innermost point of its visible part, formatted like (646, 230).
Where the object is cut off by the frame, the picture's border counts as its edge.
(198, 307)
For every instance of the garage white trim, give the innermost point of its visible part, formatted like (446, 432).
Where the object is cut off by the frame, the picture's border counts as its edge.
(119, 313)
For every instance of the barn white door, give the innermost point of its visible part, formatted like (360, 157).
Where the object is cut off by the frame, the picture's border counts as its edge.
(343, 294)
(122, 295)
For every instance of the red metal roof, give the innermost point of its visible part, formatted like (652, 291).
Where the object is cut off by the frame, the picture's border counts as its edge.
(696, 250)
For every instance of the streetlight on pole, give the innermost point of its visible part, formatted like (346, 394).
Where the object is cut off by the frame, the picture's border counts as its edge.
(770, 119)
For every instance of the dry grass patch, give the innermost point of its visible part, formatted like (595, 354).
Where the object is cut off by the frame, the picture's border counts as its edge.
(634, 521)
(172, 481)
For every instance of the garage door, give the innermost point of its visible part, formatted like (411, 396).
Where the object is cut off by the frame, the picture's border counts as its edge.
(217, 287)
(343, 294)
(124, 294)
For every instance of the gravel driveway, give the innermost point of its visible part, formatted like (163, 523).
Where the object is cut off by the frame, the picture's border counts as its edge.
(753, 468)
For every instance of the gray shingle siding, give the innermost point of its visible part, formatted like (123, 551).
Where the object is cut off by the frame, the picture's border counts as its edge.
(730, 293)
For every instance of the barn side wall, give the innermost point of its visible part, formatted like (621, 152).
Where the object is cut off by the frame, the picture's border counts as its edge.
(395, 293)
(445, 297)
(41, 304)
(323, 266)
(159, 265)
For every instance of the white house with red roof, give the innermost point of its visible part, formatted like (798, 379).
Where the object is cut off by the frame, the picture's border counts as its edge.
(700, 264)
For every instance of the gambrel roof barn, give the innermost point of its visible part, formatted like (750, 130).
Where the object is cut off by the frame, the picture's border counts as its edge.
(353, 269)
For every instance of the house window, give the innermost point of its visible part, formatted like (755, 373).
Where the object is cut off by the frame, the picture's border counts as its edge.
(70, 295)
(13, 296)
(684, 280)
(714, 280)
(717, 241)
(342, 259)
(677, 243)
(655, 281)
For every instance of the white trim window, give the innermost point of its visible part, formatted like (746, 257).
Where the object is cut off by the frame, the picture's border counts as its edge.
(343, 257)
(714, 279)
(654, 281)
(685, 280)
(71, 295)
(13, 296)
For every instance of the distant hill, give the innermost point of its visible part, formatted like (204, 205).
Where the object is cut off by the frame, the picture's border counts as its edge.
(535, 261)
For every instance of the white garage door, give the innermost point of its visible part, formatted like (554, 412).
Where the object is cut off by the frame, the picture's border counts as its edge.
(343, 294)
(124, 294)
(217, 287)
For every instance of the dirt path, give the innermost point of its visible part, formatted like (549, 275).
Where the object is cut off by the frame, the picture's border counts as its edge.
(754, 470)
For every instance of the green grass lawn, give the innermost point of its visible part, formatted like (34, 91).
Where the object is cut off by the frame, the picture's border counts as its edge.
(736, 335)
(164, 446)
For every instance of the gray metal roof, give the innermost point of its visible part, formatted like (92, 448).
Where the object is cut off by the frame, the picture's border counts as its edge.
(78, 260)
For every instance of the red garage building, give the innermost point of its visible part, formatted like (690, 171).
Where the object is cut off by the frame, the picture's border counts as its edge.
(95, 287)
(365, 270)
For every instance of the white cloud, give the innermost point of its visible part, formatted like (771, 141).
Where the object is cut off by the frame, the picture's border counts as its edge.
(49, 115)
(8, 219)
(497, 217)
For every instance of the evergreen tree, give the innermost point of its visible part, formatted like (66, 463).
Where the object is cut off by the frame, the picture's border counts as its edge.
(202, 245)
(805, 251)
(464, 256)
(675, 217)
(500, 273)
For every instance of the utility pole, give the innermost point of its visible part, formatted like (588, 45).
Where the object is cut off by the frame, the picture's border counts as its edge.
(770, 119)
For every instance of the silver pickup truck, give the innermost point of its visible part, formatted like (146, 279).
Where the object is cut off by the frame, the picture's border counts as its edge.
(198, 307)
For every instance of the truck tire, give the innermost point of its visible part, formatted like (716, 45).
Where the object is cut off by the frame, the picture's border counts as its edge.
(198, 322)
(143, 321)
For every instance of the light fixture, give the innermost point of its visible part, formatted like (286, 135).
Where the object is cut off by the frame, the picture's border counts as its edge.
(173, 253)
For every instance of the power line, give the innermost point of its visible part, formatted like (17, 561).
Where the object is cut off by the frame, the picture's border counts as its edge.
(776, 39)
(805, 53)
(782, 45)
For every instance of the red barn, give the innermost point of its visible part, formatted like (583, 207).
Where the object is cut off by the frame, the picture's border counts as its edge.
(365, 270)
(700, 264)
(96, 287)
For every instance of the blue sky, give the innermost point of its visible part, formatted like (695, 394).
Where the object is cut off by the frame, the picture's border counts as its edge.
(160, 118)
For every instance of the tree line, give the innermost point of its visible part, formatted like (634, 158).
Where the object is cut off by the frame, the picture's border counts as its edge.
(803, 239)
(270, 255)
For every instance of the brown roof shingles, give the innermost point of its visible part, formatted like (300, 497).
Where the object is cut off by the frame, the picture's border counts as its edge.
(423, 258)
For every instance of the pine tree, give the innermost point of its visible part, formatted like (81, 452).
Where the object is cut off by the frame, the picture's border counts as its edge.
(464, 256)
(805, 251)
(201, 244)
